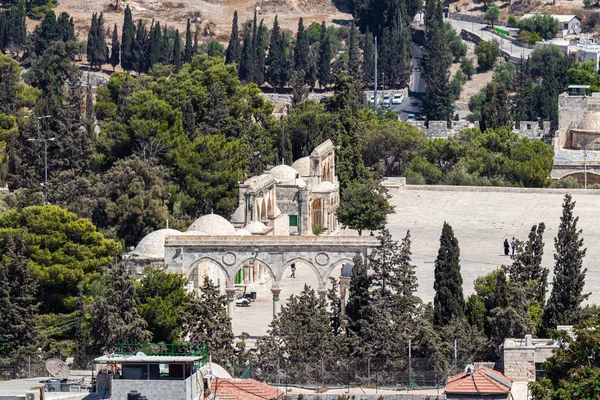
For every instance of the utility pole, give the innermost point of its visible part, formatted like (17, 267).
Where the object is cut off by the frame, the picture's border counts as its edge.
(375, 88)
(45, 140)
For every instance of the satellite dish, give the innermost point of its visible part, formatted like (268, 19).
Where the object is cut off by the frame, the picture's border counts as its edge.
(469, 369)
(140, 354)
(57, 368)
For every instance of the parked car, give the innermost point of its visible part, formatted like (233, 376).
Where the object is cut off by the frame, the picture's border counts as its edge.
(398, 98)
(411, 117)
(387, 100)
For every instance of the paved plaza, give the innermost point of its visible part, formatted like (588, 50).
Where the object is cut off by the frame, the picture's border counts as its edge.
(481, 219)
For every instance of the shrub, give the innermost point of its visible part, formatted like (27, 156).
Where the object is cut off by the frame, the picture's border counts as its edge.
(467, 67)
(544, 25)
(487, 52)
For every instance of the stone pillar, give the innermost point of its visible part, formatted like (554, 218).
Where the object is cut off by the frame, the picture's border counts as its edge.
(275, 292)
(344, 285)
(322, 290)
(230, 301)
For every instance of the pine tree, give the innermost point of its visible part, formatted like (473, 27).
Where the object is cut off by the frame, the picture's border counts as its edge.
(127, 41)
(115, 48)
(301, 49)
(18, 305)
(276, 59)
(354, 56)
(524, 109)
(261, 47)
(177, 51)
(368, 65)
(116, 319)
(234, 50)
(448, 303)
(324, 65)
(248, 61)
(495, 111)
(205, 321)
(187, 54)
(384, 260)
(569, 274)
(527, 270)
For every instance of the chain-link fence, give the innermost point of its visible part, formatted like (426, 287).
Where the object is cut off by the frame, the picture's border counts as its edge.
(18, 366)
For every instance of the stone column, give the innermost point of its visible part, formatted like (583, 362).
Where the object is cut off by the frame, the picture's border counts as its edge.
(322, 290)
(275, 292)
(344, 284)
(230, 301)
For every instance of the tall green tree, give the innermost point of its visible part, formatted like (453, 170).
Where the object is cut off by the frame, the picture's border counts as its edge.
(569, 274)
(10, 80)
(354, 56)
(301, 49)
(248, 60)
(324, 64)
(187, 53)
(116, 314)
(359, 298)
(127, 40)
(260, 49)
(234, 50)
(495, 109)
(177, 51)
(115, 48)
(527, 270)
(449, 303)
(139, 47)
(524, 107)
(18, 303)
(368, 65)
(97, 52)
(275, 62)
(205, 321)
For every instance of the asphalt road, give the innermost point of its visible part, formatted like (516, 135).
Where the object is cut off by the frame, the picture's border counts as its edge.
(412, 104)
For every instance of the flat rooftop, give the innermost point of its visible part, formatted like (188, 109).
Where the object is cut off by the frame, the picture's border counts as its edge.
(128, 359)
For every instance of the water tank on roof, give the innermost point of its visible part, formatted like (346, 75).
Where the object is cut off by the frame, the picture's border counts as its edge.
(133, 395)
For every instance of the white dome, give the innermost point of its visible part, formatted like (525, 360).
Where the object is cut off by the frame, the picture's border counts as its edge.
(212, 224)
(256, 227)
(239, 215)
(152, 246)
(283, 173)
(242, 232)
(302, 165)
(325, 187)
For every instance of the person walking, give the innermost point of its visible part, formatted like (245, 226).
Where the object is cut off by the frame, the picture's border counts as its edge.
(513, 245)
(293, 275)
(506, 247)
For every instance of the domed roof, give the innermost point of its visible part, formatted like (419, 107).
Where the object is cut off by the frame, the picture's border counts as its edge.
(325, 187)
(283, 173)
(591, 122)
(256, 227)
(302, 165)
(242, 232)
(152, 246)
(213, 224)
(238, 215)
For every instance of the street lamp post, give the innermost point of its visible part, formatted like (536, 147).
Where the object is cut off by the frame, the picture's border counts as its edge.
(45, 140)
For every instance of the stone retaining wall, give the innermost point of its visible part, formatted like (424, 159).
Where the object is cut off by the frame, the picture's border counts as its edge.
(499, 189)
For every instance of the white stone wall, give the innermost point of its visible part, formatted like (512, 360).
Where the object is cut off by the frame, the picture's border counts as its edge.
(153, 390)
(519, 363)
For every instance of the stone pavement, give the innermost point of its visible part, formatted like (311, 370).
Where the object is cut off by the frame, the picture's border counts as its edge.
(482, 218)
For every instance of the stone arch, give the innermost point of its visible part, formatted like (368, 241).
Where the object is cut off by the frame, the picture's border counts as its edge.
(334, 265)
(195, 265)
(593, 177)
(246, 261)
(304, 260)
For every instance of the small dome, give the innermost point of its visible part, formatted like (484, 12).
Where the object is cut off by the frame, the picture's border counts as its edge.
(213, 224)
(325, 187)
(256, 227)
(283, 173)
(591, 122)
(238, 216)
(242, 232)
(152, 246)
(299, 182)
(302, 165)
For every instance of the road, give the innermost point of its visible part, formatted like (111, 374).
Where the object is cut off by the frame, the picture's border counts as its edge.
(412, 104)
(505, 44)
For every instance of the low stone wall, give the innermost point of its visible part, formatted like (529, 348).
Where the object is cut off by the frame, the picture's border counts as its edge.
(499, 189)
(396, 396)
(439, 129)
(161, 389)
(474, 18)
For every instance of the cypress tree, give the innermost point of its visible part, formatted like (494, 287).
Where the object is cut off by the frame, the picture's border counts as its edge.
(18, 305)
(92, 39)
(127, 40)
(115, 48)
(177, 51)
(47, 33)
(354, 59)
(187, 55)
(276, 59)
(437, 99)
(139, 45)
(448, 303)
(284, 147)
(324, 66)
(301, 49)
(100, 50)
(234, 51)
(196, 36)
(527, 270)
(3, 32)
(166, 50)
(17, 24)
(359, 299)
(524, 109)
(368, 65)
(261, 47)
(569, 275)
(154, 46)
(65, 27)
(495, 111)
(248, 61)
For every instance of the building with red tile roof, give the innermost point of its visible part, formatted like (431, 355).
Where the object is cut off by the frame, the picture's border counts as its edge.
(243, 389)
(477, 383)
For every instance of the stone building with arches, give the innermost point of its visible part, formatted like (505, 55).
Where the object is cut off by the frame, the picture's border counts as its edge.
(300, 199)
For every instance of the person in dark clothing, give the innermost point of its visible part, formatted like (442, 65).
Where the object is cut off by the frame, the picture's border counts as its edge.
(293, 271)
(506, 247)
(513, 245)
